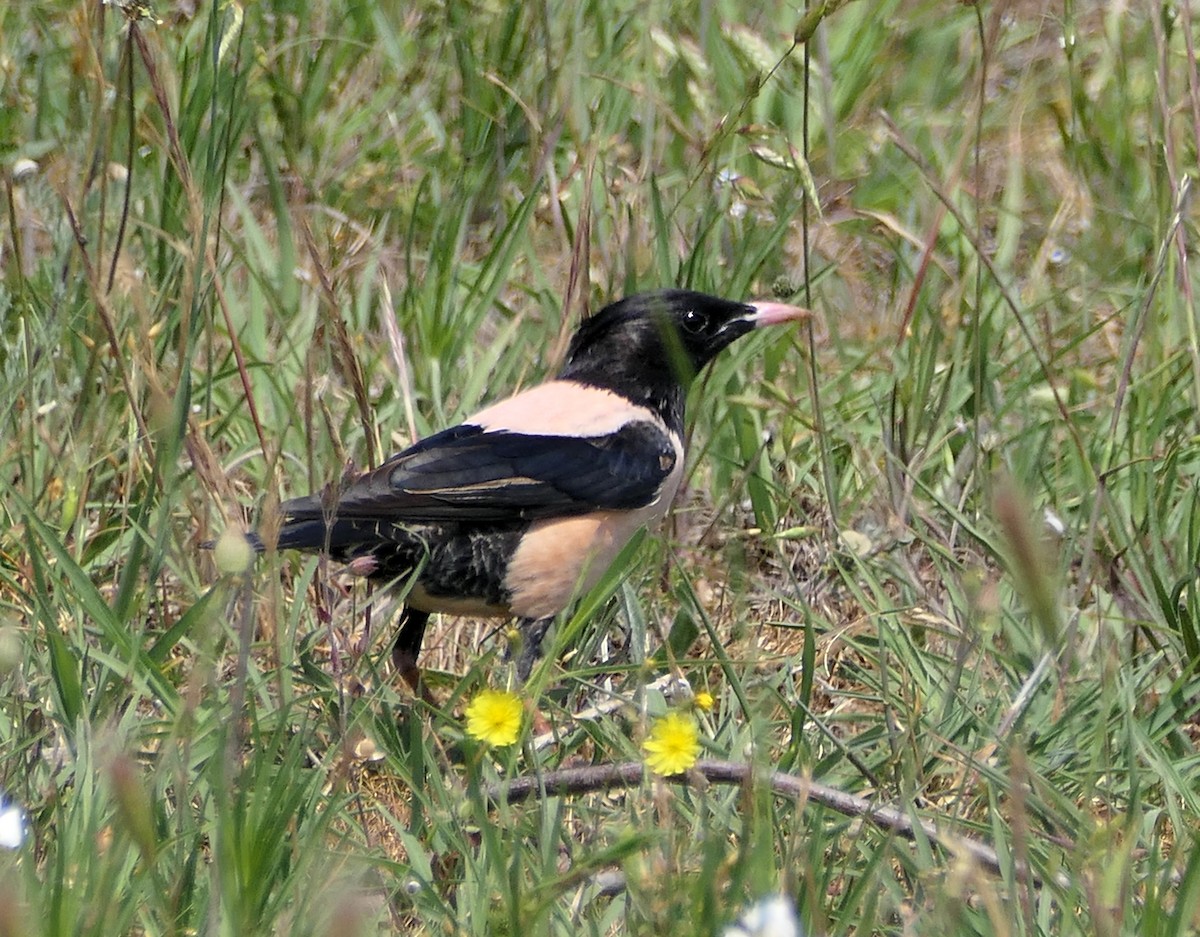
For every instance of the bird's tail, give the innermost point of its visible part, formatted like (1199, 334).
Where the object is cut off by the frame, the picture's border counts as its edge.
(305, 527)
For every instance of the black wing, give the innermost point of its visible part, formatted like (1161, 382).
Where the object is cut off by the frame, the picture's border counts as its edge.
(468, 474)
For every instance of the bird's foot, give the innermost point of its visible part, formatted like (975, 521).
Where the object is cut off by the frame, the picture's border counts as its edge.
(529, 648)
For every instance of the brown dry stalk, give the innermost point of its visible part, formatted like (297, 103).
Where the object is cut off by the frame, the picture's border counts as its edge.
(591, 778)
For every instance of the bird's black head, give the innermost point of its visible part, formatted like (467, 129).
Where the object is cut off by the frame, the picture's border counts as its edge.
(648, 347)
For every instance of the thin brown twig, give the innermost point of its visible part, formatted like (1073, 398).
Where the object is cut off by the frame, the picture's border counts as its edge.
(344, 359)
(239, 358)
(1193, 96)
(824, 449)
(592, 778)
(399, 356)
(106, 318)
(202, 457)
(160, 96)
(127, 60)
(578, 276)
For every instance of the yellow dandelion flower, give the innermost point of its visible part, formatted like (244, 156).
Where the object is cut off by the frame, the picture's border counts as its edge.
(704, 701)
(673, 745)
(494, 716)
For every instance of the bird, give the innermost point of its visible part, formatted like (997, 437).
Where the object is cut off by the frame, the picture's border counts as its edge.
(523, 506)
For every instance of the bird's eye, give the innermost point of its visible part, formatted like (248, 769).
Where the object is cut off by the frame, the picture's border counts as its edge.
(694, 321)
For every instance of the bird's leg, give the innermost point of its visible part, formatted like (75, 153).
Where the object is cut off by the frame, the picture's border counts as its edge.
(532, 631)
(408, 646)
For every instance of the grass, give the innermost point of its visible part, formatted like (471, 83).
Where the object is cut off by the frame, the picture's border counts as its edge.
(938, 554)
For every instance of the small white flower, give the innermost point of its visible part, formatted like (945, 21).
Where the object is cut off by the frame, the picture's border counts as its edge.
(12, 824)
(23, 169)
(773, 916)
(678, 690)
